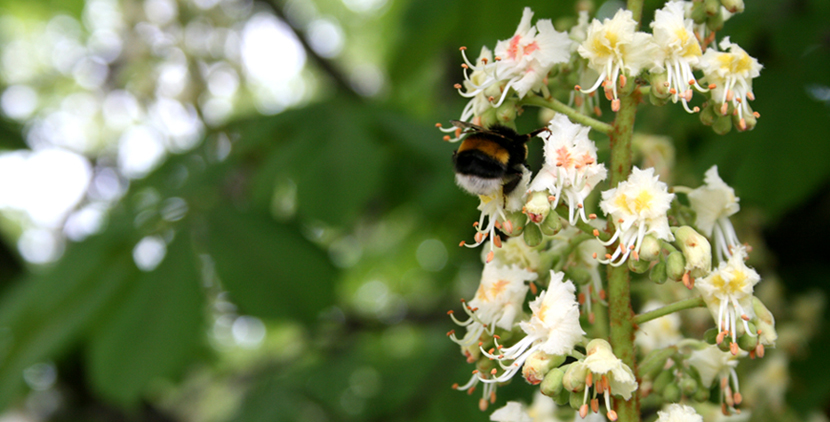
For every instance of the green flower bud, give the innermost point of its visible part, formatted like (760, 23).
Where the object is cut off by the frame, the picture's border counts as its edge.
(574, 379)
(711, 7)
(696, 250)
(538, 206)
(658, 273)
(576, 400)
(733, 6)
(708, 115)
(715, 22)
(671, 393)
(538, 364)
(723, 124)
(724, 345)
(532, 235)
(578, 274)
(655, 361)
(506, 112)
(698, 12)
(552, 384)
(675, 265)
(662, 380)
(639, 266)
(563, 398)
(711, 335)
(765, 322)
(688, 386)
(701, 395)
(650, 248)
(745, 122)
(551, 225)
(749, 341)
(517, 222)
(660, 85)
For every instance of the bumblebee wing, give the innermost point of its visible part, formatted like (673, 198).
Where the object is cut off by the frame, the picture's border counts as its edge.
(466, 125)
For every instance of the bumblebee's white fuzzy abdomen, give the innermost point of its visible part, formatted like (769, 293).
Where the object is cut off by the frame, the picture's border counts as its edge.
(478, 185)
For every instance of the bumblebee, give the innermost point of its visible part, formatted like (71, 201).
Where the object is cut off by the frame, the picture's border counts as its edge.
(490, 159)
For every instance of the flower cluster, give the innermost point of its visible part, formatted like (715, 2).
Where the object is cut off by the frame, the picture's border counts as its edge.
(532, 312)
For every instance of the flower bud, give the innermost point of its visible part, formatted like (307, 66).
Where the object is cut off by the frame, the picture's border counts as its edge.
(576, 400)
(658, 273)
(671, 393)
(744, 122)
(551, 225)
(722, 125)
(532, 235)
(639, 266)
(563, 398)
(749, 341)
(688, 386)
(698, 12)
(733, 6)
(578, 274)
(662, 380)
(574, 379)
(655, 361)
(701, 395)
(517, 222)
(506, 112)
(715, 22)
(552, 384)
(675, 265)
(725, 345)
(764, 322)
(711, 335)
(538, 364)
(708, 115)
(538, 206)
(711, 7)
(650, 248)
(659, 85)
(696, 250)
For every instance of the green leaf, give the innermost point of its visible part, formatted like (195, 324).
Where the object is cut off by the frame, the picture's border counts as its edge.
(269, 268)
(44, 314)
(154, 332)
(337, 166)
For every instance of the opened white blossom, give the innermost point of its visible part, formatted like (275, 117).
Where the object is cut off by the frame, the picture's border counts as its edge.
(497, 302)
(493, 208)
(732, 72)
(714, 364)
(571, 170)
(637, 207)
(607, 374)
(542, 409)
(514, 251)
(714, 203)
(679, 51)
(658, 333)
(512, 411)
(615, 50)
(521, 63)
(678, 413)
(727, 292)
(553, 328)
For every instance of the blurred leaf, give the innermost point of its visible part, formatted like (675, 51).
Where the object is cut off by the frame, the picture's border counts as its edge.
(154, 332)
(336, 165)
(270, 269)
(387, 376)
(45, 313)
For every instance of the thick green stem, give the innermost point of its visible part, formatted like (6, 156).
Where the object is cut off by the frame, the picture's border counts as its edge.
(694, 302)
(575, 116)
(620, 313)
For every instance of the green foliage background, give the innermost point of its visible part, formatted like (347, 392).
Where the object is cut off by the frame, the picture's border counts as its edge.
(372, 181)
